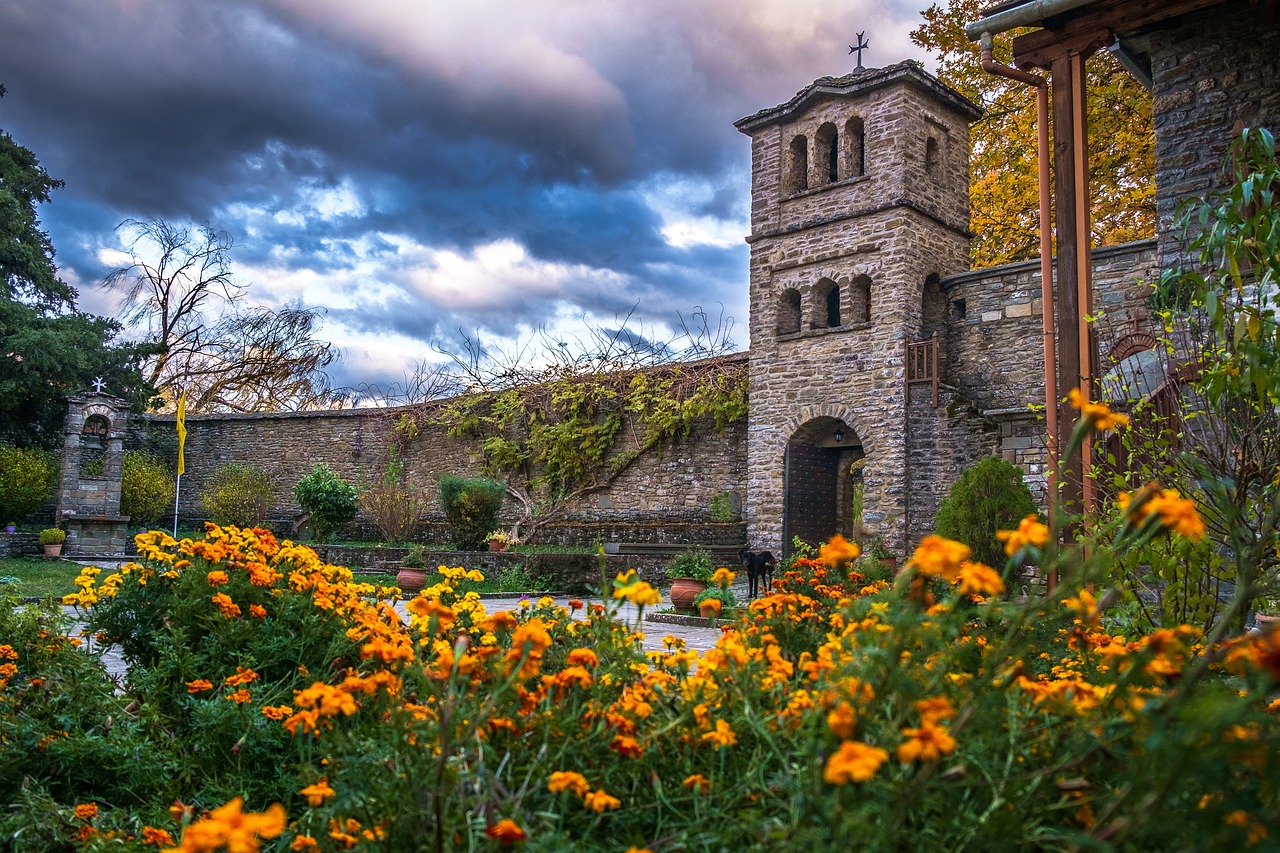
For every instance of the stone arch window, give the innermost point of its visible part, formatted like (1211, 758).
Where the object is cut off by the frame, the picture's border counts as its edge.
(932, 157)
(933, 306)
(855, 142)
(789, 312)
(827, 153)
(860, 300)
(796, 177)
(93, 447)
(826, 305)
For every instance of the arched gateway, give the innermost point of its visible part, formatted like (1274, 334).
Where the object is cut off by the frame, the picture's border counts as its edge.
(822, 477)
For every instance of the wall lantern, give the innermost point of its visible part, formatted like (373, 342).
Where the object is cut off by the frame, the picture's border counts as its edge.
(839, 433)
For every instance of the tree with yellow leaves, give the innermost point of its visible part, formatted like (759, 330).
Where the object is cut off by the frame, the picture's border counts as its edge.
(1002, 168)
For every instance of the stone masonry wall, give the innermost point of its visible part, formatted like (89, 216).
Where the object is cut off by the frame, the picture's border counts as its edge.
(1213, 72)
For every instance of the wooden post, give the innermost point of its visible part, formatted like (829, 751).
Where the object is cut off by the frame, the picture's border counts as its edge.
(934, 369)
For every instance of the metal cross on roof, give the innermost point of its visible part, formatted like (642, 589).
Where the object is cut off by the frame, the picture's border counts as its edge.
(859, 47)
(97, 384)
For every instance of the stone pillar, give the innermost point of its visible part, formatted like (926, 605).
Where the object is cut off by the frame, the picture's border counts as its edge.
(92, 461)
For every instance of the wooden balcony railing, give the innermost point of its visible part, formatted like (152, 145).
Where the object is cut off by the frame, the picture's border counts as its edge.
(922, 364)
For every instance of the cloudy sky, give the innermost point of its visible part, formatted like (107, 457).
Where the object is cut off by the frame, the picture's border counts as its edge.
(417, 167)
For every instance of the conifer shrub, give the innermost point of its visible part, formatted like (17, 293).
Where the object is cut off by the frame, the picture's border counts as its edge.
(471, 506)
(27, 478)
(330, 500)
(238, 495)
(146, 488)
(989, 496)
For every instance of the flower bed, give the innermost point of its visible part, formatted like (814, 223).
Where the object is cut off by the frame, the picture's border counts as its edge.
(273, 700)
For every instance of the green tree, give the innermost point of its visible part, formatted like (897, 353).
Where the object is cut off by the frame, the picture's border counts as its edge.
(989, 496)
(48, 349)
(330, 500)
(1002, 170)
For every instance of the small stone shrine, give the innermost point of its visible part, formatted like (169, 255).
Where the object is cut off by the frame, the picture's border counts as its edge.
(89, 490)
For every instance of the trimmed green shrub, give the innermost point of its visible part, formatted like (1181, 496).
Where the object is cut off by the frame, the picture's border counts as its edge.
(27, 478)
(471, 506)
(989, 496)
(330, 500)
(146, 488)
(693, 563)
(237, 494)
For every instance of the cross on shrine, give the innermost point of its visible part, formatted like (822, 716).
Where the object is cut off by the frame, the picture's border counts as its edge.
(97, 384)
(859, 47)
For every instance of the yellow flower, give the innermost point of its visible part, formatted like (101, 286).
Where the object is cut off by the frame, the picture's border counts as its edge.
(939, 557)
(927, 743)
(722, 735)
(1030, 532)
(1096, 415)
(979, 579)
(722, 577)
(639, 593)
(838, 550)
(567, 780)
(319, 792)
(598, 801)
(854, 761)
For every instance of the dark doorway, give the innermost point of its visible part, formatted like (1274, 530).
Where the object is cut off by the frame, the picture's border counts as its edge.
(817, 501)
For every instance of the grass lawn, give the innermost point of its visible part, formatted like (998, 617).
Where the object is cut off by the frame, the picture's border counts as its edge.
(39, 577)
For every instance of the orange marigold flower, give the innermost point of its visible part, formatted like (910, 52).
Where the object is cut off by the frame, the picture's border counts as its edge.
(697, 782)
(626, 746)
(257, 611)
(304, 842)
(217, 577)
(1085, 605)
(199, 685)
(1030, 532)
(854, 761)
(722, 577)
(243, 676)
(1097, 415)
(935, 708)
(583, 657)
(87, 811)
(713, 604)
(1177, 513)
(838, 550)
(319, 792)
(230, 610)
(495, 621)
(598, 801)
(722, 735)
(506, 832)
(276, 712)
(7, 652)
(240, 696)
(567, 780)
(158, 837)
(939, 557)
(841, 720)
(979, 579)
(575, 604)
(927, 743)
(228, 826)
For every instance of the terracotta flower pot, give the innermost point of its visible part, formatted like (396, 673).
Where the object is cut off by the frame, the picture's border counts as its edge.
(497, 546)
(410, 579)
(1266, 623)
(684, 591)
(709, 611)
(53, 550)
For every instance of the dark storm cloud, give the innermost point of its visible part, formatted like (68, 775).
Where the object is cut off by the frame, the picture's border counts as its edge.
(365, 153)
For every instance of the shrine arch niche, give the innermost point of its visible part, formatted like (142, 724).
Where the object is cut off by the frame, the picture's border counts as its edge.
(93, 447)
(822, 471)
(1140, 379)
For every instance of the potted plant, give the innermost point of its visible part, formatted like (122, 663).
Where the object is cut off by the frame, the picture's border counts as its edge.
(690, 573)
(880, 551)
(52, 538)
(1267, 616)
(499, 540)
(413, 570)
(714, 600)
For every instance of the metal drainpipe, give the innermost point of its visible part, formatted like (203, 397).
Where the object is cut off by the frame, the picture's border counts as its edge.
(1046, 266)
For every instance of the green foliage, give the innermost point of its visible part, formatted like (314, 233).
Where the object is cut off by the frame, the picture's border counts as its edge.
(416, 558)
(237, 494)
(516, 579)
(693, 563)
(471, 506)
(722, 507)
(27, 480)
(146, 488)
(873, 569)
(724, 595)
(53, 536)
(330, 500)
(570, 430)
(991, 495)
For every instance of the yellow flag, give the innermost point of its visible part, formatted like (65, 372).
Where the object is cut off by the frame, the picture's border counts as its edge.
(182, 432)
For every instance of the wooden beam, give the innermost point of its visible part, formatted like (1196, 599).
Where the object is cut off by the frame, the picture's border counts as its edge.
(1067, 296)
(1070, 32)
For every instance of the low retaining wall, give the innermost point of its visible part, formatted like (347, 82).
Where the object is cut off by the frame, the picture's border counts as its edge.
(20, 545)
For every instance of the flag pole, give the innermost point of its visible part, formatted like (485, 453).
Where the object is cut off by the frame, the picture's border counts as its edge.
(181, 423)
(177, 493)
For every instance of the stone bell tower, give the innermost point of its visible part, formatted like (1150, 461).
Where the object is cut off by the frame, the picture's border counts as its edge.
(859, 206)
(92, 472)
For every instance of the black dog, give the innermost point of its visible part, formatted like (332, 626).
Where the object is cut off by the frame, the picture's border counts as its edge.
(758, 564)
